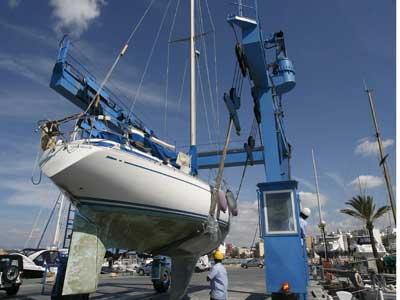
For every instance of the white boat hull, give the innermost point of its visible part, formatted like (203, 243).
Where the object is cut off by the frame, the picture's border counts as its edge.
(137, 201)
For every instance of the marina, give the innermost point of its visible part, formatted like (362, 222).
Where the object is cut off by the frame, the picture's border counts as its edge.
(180, 157)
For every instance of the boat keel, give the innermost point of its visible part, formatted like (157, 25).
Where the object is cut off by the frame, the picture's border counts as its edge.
(86, 255)
(182, 270)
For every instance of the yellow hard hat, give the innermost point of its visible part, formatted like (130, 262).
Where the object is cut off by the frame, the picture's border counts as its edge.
(218, 255)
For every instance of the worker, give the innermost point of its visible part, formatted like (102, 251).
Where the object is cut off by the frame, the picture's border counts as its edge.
(304, 214)
(218, 278)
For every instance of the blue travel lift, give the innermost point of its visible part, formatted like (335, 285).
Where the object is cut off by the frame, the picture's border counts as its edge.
(286, 271)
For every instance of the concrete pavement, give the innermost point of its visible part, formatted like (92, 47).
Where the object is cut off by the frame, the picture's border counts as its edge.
(243, 284)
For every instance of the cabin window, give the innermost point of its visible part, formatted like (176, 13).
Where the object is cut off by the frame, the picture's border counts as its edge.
(279, 212)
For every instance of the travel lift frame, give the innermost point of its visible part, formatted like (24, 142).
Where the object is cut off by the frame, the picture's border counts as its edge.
(286, 270)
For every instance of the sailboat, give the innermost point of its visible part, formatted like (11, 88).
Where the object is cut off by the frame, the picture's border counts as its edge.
(131, 189)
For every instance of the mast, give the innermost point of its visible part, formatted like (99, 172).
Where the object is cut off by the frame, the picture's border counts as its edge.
(321, 222)
(192, 76)
(381, 153)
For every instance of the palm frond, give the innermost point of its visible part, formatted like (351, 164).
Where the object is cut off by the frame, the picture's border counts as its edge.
(363, 208)
(381, 211)
(352, 213)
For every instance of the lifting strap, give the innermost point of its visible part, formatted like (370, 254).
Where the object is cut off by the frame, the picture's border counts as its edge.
(241, 59)
(218, 180)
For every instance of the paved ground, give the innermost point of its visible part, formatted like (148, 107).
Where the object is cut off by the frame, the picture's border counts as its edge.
(243, 284)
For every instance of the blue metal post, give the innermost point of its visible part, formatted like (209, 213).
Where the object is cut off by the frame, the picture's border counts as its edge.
(272, 164)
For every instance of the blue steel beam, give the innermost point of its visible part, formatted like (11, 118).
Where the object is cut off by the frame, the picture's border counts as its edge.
(234, 158)
(73, 81)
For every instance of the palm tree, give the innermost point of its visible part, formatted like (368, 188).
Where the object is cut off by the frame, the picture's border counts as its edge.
(365, 210)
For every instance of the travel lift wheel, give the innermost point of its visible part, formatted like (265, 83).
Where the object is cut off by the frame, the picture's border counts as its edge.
(283, 296)
(162, 285)
(12, 291)
(56, 293)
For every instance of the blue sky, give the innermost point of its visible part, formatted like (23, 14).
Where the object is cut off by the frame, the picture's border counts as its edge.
(334, 46)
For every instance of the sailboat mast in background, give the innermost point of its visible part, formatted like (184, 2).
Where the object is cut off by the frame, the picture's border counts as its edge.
(382, 155)
(321, 222)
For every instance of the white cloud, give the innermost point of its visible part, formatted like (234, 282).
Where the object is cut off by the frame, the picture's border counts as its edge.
(23, 193)
(36, 68)
(75, 15)
(336, 178)
(14, 3)
(305, 182)
(244, 225)
(44, 37)
(367, 181)
(310, 199)
(366, 147)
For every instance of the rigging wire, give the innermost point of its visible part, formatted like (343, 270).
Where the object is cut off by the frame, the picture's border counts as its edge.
(167, 71)
(182, 85)
(149, 58)
(212, 172)
(254, 237)
(215, 72)
(123, 51)
(206, 62)
(204, 100)
(35, 223)
(48, 220)
(203, 39)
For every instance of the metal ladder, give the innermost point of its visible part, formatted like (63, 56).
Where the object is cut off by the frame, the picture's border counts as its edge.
(69, 226)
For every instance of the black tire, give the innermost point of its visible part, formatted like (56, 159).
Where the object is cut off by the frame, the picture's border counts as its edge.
(141, 272)
(162, 285)
(12, 291)
(10, 274)
(245, 266)
(261, 266)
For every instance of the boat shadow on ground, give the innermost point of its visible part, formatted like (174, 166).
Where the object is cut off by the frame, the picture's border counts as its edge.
(250, 295)
(147, 294)
(18, 297)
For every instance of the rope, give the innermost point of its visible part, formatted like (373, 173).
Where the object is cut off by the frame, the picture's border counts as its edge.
(234, 32)
(34, 168)
(253, 128)
(167, 71)
(122, 52)
(149, 58)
